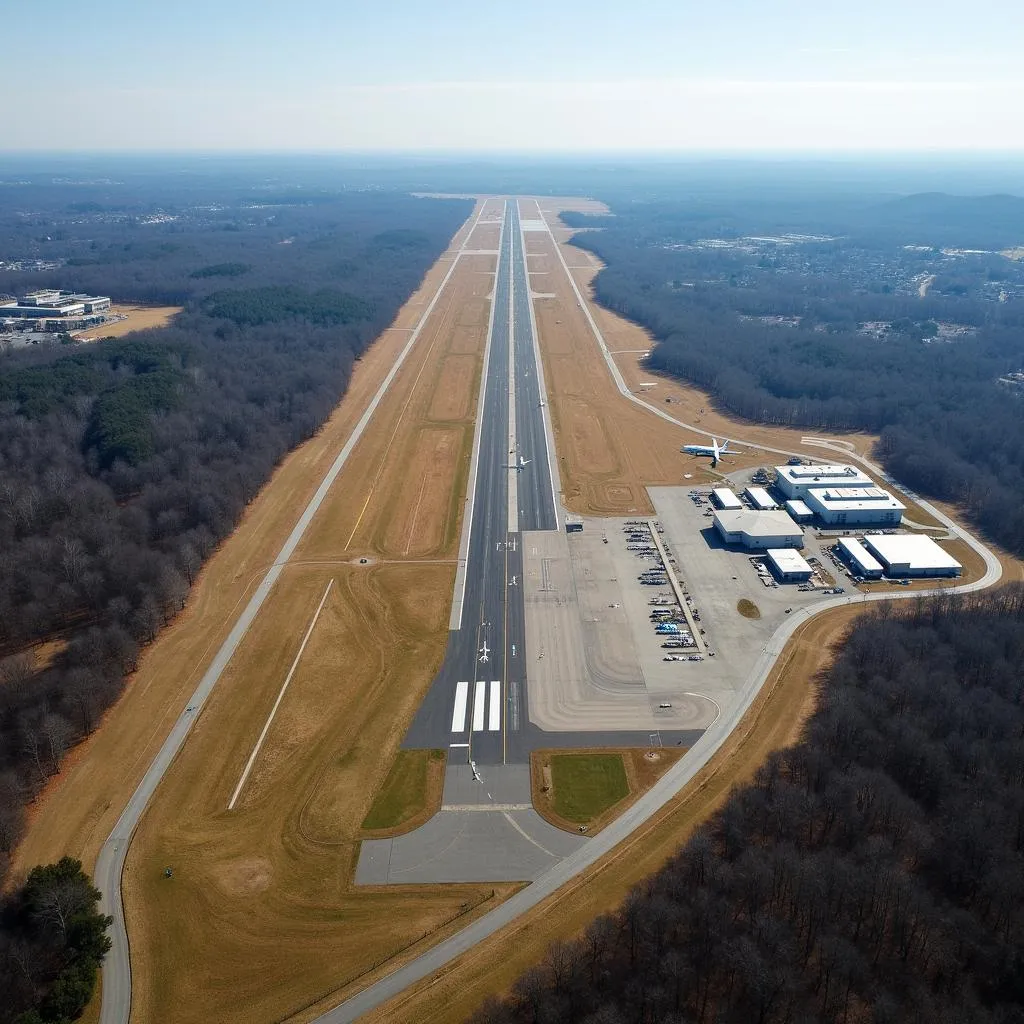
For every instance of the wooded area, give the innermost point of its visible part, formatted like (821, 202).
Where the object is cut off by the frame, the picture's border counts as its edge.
(872, 872)
(780, 331)
(52, 942)
(124, 463)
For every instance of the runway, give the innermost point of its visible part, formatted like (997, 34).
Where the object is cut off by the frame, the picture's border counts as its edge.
(476, 708)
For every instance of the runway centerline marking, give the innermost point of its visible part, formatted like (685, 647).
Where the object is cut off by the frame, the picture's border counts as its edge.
(277, 703)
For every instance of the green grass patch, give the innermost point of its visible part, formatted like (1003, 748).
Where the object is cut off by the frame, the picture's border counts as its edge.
(748, 609)
(586, 785)
(404, 793)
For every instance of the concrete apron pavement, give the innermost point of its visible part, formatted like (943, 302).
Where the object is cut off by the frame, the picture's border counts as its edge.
(486, 831)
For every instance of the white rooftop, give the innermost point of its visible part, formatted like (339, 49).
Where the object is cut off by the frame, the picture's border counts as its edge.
(860, 554)
(788, 560)
(805, 474)
(761, 497)
(798, 508)
(840, 498)
(910, 549)
(773, 523)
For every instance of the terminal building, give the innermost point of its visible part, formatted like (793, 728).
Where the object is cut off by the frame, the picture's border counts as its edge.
(760, 499)
(797, 481)
(758, 531)
(911, 554)
(854, 506)
(725, 498)
(859, 559)
(788, 565)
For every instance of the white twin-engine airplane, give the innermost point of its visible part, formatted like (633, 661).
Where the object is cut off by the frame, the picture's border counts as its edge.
(485, 654)
(714, 450)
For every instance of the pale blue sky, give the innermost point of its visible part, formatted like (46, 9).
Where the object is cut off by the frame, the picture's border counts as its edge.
(570, 75)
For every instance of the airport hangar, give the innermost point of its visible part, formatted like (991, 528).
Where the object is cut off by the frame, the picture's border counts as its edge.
(911, 554)
(839, 495)
(758, 531)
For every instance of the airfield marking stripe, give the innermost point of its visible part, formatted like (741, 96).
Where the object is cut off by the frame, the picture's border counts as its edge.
(479, 700)
(461, 700)
(280, 697)
(494, 711)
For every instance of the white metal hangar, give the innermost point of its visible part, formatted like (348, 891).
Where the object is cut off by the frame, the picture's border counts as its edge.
(760, 499)
(854, 506)
(788, 565)
(723, 497)
(859, 558)
(911, 554)
(799, 511)
(758, 531)
(796, 481)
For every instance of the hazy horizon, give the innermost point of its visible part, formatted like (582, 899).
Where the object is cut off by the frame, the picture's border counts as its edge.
(653, 77)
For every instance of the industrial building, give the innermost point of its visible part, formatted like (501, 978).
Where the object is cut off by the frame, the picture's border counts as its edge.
(724, 498)
(854, 506)
(758, 531)
(53, 303)
(796, 481)
(760, 499)
(859, 559)
(799, 511)
(788, 565)
(911, 554)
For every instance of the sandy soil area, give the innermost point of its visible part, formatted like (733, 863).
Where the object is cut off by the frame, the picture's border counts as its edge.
(137, 318)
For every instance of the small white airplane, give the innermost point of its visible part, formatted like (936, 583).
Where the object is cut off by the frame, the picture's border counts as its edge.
(518, 466)
(485, 654)
(714, 451)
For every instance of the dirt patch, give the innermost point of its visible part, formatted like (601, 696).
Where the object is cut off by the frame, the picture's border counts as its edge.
(456, 388)
(748, 609)
(137, 318)
(242, 876)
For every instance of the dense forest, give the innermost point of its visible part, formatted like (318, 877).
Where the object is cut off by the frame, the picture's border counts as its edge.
(873, 872)
(844, 316)
(52, 942)
(124, 463)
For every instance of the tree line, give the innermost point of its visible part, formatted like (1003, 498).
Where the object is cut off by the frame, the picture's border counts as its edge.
(123, 464)
(872, 872)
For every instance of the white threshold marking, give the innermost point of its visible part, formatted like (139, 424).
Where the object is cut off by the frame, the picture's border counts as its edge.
(458, 744)
(479, 699)
(277, 703)
(494, 712)
(459, 714)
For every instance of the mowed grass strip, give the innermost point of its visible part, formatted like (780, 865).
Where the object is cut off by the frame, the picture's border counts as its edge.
(586, 785)
(404, 793)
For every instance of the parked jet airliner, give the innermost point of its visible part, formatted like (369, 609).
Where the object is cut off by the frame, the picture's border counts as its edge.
(714, 450)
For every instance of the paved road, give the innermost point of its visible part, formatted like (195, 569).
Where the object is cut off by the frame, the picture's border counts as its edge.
(667, 787)
(117, 981)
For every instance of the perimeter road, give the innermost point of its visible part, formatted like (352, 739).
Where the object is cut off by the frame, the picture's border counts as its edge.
(117, 977)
